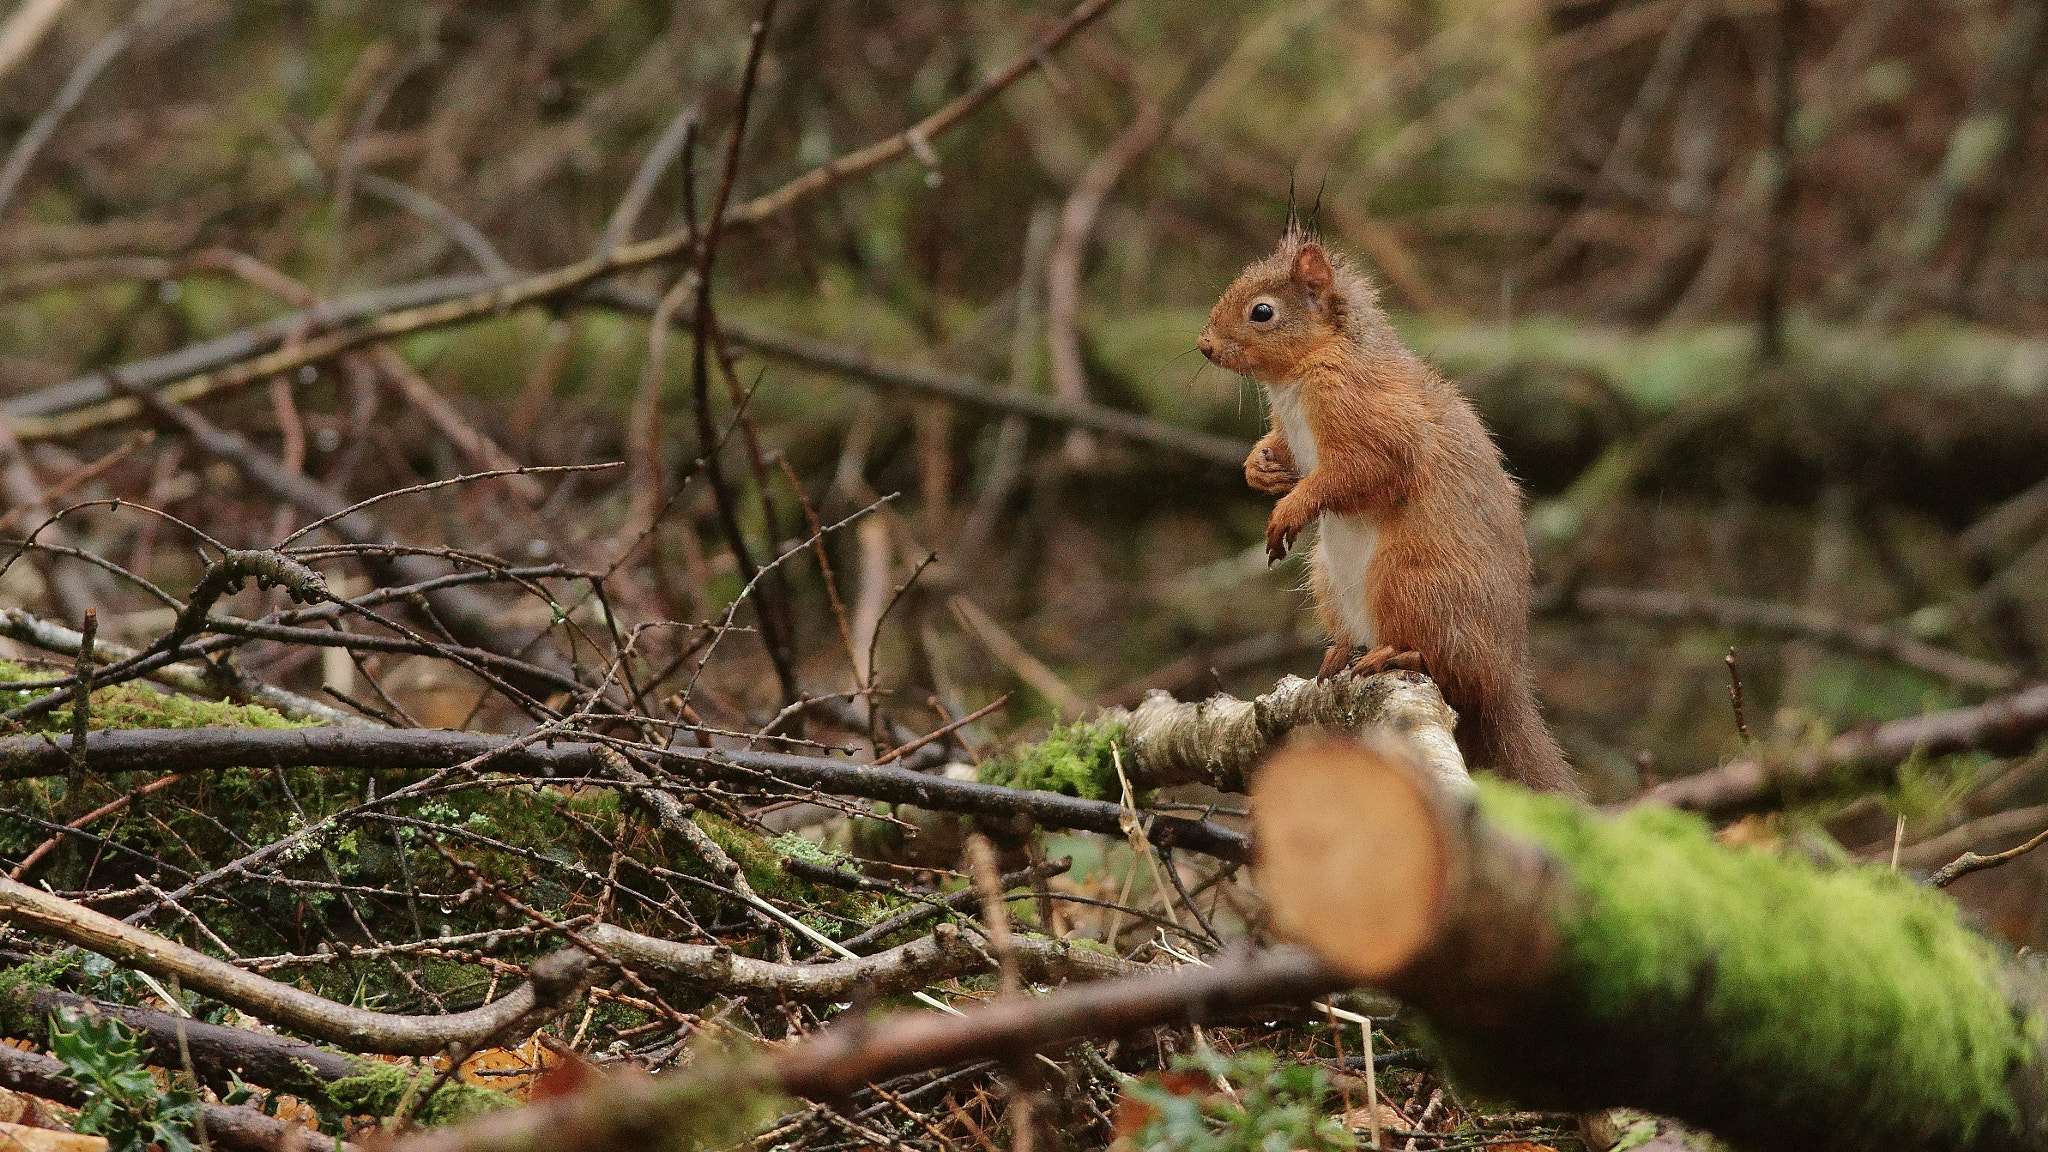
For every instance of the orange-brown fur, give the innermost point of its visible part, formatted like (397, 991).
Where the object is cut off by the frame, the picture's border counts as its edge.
(1396, 445)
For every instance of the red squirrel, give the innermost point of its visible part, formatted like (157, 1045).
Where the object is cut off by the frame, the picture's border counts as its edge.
(1420, 557)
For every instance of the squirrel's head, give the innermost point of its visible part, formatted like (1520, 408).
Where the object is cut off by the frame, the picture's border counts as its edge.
(1282, 308)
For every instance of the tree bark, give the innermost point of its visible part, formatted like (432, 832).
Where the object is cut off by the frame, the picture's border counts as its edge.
(1577, 962)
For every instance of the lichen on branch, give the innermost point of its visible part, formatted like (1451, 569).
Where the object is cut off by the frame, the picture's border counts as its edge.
(1219, 741)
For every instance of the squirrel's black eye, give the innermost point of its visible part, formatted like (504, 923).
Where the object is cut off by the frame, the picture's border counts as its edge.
(1261, 312)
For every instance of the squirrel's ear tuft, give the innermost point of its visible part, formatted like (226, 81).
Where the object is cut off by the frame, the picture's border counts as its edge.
(1313, 273)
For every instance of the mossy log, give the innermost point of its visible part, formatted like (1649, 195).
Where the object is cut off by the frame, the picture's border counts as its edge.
(1219, 741)
(1574, 961)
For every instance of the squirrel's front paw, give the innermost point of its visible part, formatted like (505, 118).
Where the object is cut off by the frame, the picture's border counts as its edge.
(1283, 525)
(1263, 471)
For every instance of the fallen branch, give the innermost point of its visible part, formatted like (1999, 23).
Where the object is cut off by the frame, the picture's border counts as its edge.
(1219, 741)
(945, 954)
(240, 1129)
(1573, 962)
(555, 979)
(432, 749)
(1797, 623)
(1957, 841)
(16, 624)
(636, 1111)
(2004, 725)
(467, 616)
(959, 902)
(966, 391)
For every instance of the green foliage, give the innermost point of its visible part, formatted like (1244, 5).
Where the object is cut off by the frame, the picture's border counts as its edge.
(1075, 759)
(123, 1101)
(1665, 921)
(1279, 1108)
(133, 705)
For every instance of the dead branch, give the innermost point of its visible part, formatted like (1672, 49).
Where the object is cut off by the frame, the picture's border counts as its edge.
(24, 30)
(425, 749)
(2005, 725)
(469, 618)
(1063, 263)
(240, 1129)
(1220, 740)
(87, 70)
(1795, 622)
(967, 391)
(627, 1112)
(1970, 862)
(218, 1053)
(16, 624)
(945, 954)
(556, 979)
(1954, 845)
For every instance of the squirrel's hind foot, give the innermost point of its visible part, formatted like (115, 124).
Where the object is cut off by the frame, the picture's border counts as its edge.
(1334, 659)
(1386, 657)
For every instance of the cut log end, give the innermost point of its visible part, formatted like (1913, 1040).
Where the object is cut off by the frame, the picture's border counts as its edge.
(1351, 855)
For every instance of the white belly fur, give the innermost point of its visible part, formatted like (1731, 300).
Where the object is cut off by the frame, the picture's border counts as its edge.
(1345, 544)
(1344, 549)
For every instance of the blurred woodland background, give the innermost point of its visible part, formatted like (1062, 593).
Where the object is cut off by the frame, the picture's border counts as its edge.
(1754, 294)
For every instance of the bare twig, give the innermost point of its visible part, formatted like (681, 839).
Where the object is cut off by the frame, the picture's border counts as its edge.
(943, 955)
(1970, 862)
(673, 142)
(1063, 264)
(1017, 658)
(440, 216)
(1735, 696)
(81, 705)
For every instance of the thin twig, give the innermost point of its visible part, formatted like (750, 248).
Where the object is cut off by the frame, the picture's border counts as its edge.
(1970, 862)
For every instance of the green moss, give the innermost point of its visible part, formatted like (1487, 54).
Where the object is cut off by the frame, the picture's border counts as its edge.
(18, 986)
(1811, 987)
(1074, 759)
(760, 860)
(136, 706)
(378, 1088)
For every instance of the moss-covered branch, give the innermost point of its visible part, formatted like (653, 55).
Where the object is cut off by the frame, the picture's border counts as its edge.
(1219, 741)
(1573, 961)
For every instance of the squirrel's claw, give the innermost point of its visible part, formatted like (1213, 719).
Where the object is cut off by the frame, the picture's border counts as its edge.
(1279, 538)
(1283, 527)
(1334, 659)
(1386, 657)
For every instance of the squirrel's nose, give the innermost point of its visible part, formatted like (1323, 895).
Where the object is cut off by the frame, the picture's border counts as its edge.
(1207, 345)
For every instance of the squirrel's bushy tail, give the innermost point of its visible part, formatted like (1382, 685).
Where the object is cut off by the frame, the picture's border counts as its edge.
(1505, 735)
